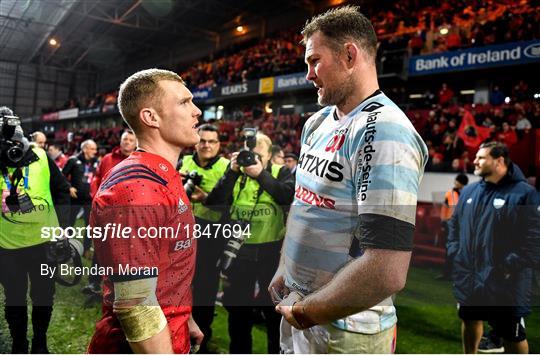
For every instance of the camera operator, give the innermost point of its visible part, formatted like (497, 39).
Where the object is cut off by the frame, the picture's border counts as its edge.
(209, 167)
(257, 194)
(31, 184)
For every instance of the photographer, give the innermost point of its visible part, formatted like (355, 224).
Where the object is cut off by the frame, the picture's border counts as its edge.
(31, 185)
(205, 167)
(256, 193)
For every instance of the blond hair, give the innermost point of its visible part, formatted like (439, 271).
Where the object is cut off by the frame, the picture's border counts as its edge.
(142, 89)
(343, 24)
(263, 138)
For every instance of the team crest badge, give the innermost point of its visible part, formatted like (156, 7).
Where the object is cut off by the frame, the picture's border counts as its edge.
(182, 207)
(498, 203)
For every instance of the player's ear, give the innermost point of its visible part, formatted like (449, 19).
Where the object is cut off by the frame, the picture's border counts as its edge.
(351, 54)
(149, 117)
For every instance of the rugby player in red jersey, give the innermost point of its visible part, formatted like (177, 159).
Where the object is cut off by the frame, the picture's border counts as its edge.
(147, 296)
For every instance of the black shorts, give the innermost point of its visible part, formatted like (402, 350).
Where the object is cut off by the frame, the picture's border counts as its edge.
(503, 320)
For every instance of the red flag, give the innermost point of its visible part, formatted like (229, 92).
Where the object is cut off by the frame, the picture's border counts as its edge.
(472, 134)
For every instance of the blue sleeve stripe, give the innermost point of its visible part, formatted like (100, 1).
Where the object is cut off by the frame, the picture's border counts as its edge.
(392, 177)
(318, 259)
(388, 131)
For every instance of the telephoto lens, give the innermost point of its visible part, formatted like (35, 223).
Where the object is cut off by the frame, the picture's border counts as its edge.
(232, 248)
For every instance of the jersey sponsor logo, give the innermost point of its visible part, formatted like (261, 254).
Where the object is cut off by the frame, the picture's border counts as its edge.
(372, 107)
(312, 198)
(182, 244)
(321, 167)
(365, 156)
(299, 288)
(163, 167)
(182, 207)
(336, 142)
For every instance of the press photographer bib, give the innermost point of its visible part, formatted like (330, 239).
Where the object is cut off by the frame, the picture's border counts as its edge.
(18, 229)
(266, 217)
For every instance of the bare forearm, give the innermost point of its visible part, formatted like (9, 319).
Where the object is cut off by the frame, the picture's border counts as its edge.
(360, 285)
(157, 344)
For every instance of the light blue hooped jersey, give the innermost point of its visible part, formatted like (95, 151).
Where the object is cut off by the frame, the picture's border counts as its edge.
(370, 161)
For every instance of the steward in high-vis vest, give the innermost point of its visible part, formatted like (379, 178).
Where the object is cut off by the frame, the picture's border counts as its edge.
(211, 167)
(256, 196)
(35, 197)
(451, 198)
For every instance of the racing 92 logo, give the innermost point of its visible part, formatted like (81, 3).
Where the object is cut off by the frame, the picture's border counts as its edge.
(336, 141)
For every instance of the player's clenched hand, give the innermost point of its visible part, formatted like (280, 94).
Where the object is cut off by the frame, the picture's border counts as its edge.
(286, 306)
(196, 336)
(277, 288)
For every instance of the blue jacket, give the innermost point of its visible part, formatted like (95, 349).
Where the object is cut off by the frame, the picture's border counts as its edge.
(494, 243)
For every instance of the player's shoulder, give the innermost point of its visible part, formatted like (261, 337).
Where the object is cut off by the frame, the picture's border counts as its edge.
(139, 175)
(321, 114)
(380, 108)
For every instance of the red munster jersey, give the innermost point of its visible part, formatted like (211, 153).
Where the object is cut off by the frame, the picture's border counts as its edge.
(144, 192)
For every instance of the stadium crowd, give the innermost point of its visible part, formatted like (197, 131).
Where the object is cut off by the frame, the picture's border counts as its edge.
(509, 117)
(419, 27)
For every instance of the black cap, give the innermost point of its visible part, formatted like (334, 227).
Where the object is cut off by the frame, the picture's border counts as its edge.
(291, 155)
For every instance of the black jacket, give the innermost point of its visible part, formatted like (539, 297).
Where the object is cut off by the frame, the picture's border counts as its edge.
(74, 171)
(494, 242)
(60, 193)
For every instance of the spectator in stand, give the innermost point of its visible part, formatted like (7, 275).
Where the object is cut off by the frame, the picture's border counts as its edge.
(445, 95)
(457, 166)
(521, 91)
(496, 97)
(507, 135)
(416, 43)
(523, 125)
(453, 40)
(453, 146)
(55, 153)
(435, 163)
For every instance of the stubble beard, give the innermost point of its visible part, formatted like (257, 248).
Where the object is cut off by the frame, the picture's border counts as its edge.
(339, 95)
